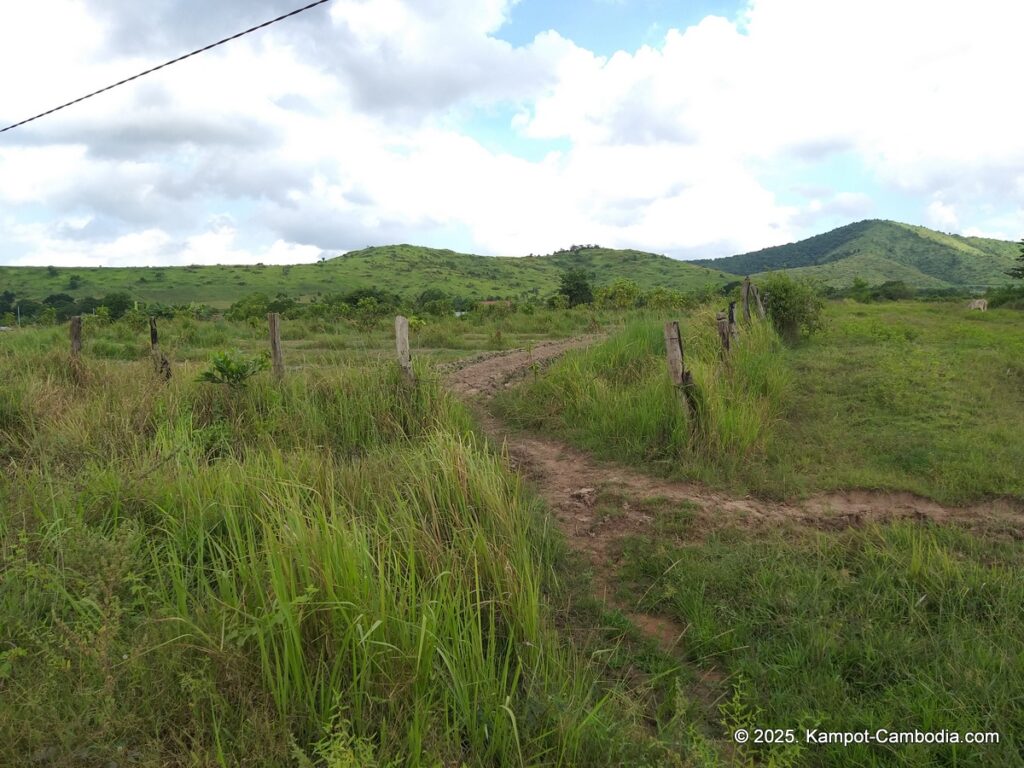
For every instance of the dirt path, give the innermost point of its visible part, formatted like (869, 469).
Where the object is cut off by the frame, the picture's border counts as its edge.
(598, 505)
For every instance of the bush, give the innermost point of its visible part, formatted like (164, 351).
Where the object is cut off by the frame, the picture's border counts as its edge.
(1008, 296)
(233, 369)
(794, 305)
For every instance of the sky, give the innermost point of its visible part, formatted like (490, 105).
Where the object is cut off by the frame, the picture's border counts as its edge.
(695, 129)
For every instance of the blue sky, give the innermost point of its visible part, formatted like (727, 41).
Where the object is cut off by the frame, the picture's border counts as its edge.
(694, 129)
(607, 26)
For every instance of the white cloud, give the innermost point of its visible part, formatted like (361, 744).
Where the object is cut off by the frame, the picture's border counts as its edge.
(342, 130)
(942, 216)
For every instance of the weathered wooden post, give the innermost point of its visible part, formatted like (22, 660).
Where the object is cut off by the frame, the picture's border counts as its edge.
(757, 300)
(680, 377)
(76, 337)
(402, 347)
(745, 294)
(734, 329)
(723, 329)
(276, 357)
(161, 364)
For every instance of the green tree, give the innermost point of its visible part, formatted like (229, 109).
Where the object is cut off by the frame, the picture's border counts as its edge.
(575, 286)
(255, 305)
(1018, 271)
(794, 305)
(118, 303)
(621, 294)
(860, 290)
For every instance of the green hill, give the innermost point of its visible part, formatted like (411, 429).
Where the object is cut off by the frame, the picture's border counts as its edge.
(407, 270)
(877, 251)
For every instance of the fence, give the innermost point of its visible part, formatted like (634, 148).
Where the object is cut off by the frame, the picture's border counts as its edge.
(162, 366)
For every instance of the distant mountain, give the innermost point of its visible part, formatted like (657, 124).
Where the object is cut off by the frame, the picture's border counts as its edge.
(407, 270)
(876, 251)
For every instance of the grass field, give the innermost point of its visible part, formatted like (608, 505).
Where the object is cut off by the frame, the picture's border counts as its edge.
(331, 572)
(337, 570)
(921, 397)
(903, 627)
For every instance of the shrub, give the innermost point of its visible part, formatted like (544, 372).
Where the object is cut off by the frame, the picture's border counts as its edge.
(794, 305)
(621, 294)
(233, 369)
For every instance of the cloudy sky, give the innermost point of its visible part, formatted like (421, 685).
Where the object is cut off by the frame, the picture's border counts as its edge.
(694, 128)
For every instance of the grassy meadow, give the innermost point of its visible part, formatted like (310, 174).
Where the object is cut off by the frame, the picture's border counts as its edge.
(338, 570)
(903, 627)
(328, 571)
(902, 396)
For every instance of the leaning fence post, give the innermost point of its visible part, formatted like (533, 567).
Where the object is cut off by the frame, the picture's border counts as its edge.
(723, 329)
(76, 336)
(160, 362)
(734, 329)
(745, 294)
(276, 358)
(681, 378)
(757, 299)
(402, 347)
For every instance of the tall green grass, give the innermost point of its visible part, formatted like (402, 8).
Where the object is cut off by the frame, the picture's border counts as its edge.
(615, 398)
(902, 627)
(329, 571)
(902, 396)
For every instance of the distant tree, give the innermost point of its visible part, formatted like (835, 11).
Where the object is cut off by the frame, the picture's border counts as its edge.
(52, 271)
(255, 305)
(1018, 271)
(117, 304)
(621, 294)
(58, 300)
(575, 286)
(794, 305)
(892, 290)
(74, 283)
(860, 290)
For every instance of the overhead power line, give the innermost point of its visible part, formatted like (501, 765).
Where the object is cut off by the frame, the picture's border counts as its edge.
(167, 64)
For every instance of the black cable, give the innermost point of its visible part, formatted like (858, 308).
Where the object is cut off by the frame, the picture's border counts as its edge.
(167, 64)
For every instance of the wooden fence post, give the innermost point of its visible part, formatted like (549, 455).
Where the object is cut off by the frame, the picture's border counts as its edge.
(160, 362)
(757, 300)
(723, 329)
(276, 358)
(402, 347)
(745, 293)
(76, 336)
(681, 378)
(734, 329)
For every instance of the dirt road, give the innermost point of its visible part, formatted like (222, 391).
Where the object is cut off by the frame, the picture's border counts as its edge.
(598, 504)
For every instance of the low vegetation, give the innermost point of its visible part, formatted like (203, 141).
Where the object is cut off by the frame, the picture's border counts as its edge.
(904, 627)
(615, 399)
(331, 571)
(336, 569)
(921, 397)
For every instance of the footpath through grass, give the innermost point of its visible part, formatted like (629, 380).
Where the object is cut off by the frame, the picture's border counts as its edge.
(908, 396)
